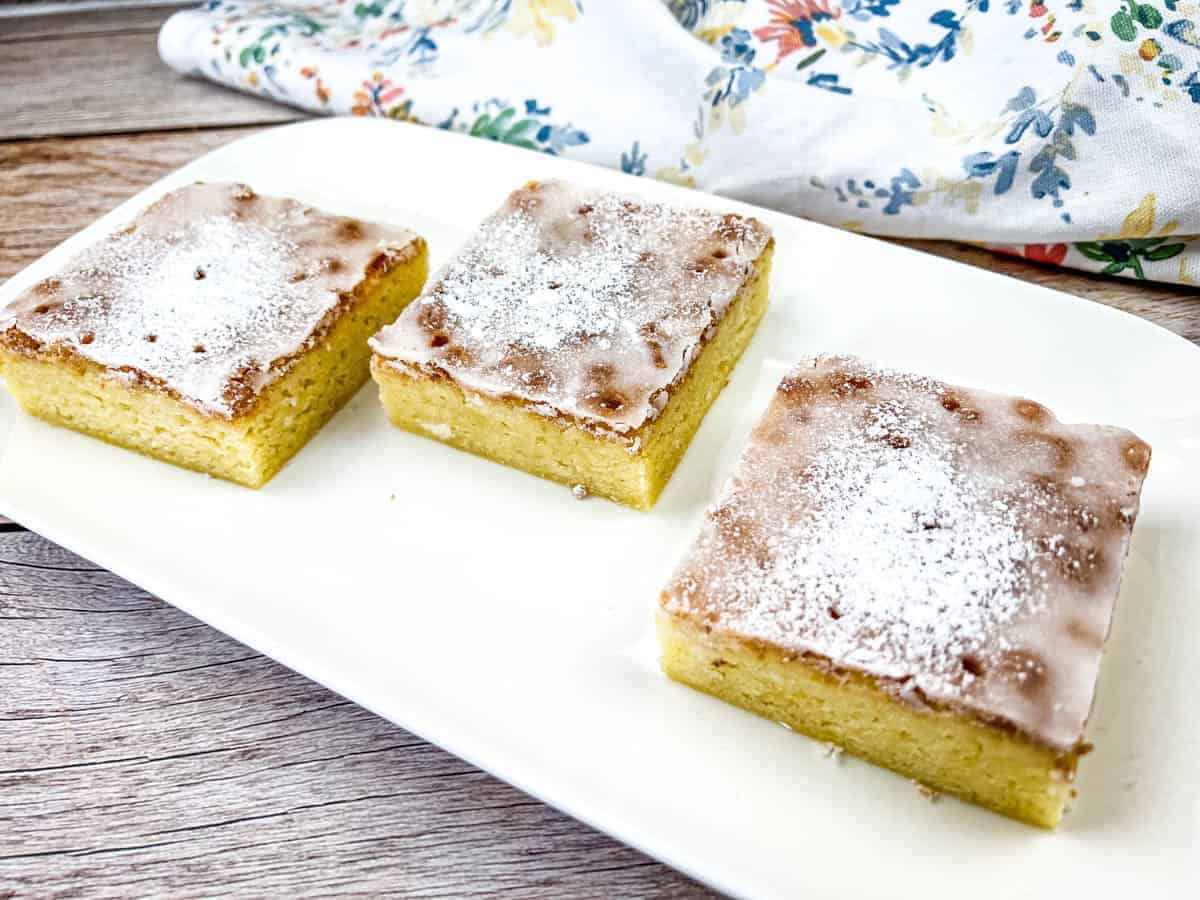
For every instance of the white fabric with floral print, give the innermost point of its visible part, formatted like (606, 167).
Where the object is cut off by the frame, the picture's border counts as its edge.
(1065, 131)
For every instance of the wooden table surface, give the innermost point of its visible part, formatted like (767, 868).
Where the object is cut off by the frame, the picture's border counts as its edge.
(142, 752)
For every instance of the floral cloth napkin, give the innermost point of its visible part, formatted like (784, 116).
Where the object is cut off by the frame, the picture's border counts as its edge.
(1064, 131)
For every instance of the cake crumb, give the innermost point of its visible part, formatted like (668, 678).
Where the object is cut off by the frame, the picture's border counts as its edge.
(833, 751)
(579, 492)
(927, 792)
(438, 430)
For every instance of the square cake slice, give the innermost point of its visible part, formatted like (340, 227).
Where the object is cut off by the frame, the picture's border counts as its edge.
(219, 330)
(579, 335)
(922, 574)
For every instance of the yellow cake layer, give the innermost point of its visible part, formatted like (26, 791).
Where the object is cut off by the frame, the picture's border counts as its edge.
(249, 449)
(560, 450)
(953, 753)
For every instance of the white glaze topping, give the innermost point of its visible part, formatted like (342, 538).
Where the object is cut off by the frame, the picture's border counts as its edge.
(963, 546)
(578, 302)
(210, 292)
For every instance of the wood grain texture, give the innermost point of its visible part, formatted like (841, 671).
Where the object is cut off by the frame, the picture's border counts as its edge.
(49, 189)
(28, 22)
(102, 82)
(143, 753)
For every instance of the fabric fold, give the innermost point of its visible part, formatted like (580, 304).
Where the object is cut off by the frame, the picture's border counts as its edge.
(1065, 132)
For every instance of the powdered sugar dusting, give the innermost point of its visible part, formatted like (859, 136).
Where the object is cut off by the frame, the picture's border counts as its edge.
(935, 537)
(590, 304)
(208, 292)
(941, 561)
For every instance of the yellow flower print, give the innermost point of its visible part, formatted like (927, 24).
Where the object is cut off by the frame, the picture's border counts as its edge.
(1189, 268)
(967, 192)
(675, 175)
(534, 17)
(1140, 222)
(945, 126)
(966, 40)
(833, 34)
(718, 21)
(735, 115)
(712, 35)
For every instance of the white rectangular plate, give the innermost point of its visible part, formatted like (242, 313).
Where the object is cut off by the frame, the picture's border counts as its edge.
(494, 614)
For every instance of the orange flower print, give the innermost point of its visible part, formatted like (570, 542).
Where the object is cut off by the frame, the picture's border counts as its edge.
(375, 96)
(1053, 254)
(791, 24)
(322, 89)
(1046, 253)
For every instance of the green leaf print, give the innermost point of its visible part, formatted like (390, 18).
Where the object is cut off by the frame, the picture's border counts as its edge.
(1092, 251)
(519, 130)
(1124, 23)
(1128, 254)
(1159, 253)
(517, 135)
(479, 125)
(500, 123)
(1148, 16)
(523, 125)
(1122, 26)
(498, 129)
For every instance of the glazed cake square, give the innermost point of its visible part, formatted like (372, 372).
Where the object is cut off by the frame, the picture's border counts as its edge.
(579, 335)
(922, 574)
(219, 330)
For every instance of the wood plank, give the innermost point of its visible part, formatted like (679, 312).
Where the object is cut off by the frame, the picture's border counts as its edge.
(50, 189)
(36, 21)
(127, 88)
(143, 753)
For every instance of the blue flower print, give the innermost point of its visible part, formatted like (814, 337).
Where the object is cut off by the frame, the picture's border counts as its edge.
(1023, 103)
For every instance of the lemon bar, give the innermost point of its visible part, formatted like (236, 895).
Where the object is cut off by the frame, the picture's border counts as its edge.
(219, 330)
(922, 574)
(579, 335)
